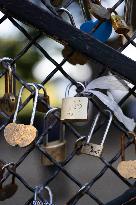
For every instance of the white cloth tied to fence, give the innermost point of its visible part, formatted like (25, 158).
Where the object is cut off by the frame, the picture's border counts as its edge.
(110, 83)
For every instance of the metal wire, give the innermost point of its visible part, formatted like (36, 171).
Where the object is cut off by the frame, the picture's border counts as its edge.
(60, 167)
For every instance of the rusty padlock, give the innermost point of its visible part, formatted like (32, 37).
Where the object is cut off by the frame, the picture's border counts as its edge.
(84, 146)
(119, 24)
(56, 148)
(40, 106)
(127, 169)
(20, 134)
(74, 108)
(9, 100)
(56, 3)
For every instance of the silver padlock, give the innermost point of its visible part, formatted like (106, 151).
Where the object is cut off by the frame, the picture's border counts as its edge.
(74, 108)
(85, 147)
(20, 134)
(56, 148)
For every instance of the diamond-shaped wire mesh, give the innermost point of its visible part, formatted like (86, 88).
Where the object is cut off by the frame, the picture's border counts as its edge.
(105, 164)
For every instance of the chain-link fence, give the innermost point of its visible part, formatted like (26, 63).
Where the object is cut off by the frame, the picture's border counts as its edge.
(13, 10)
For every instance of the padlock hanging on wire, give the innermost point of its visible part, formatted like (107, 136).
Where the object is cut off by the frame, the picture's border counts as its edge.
(20, 134)
(74, 108)
(9, 101)
(56, 148)
(83, 144)
(127, 169)
(119, 24)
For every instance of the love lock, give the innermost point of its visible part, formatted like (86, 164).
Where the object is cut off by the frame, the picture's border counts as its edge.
(9, 100)
(56, 148)
(10, 189)
(74, 108)
(85, 147)
(127, 169)
(20, 134)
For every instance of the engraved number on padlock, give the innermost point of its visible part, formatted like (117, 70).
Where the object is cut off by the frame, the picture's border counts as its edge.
(40, 106)
(127, 169)
(56, 148)
(20, 134)
(90, 148)
(74, 108)
(9, 100)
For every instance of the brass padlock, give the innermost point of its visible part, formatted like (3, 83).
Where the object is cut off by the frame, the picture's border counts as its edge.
(40, 106)
(119, 24)
(9, 100)
(56, 148)
(20, 134)
(74, 108)
(84, 146)
(127, 169)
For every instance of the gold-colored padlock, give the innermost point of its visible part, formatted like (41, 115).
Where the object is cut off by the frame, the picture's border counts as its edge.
(127, 169)
(56, 148)
(74, 108)
(40, 106)
(119, 24)
(9, 100)
(20, 134)
(84, 146)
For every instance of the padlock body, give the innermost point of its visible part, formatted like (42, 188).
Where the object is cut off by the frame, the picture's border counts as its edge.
(8, 103)
(40, 106)
(119, 24)
(92, 149)
(74, 108)
(57, 150)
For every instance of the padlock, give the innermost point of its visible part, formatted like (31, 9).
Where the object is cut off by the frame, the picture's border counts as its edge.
(56, 148)
(74, 108)
(40, 106)
(119, 24)
(56, 3)
(38, 190)
(73, 57)
(127, 169)
(84, 146)
(20, 134)
(8, 190)
(9, 100)
(98, 11)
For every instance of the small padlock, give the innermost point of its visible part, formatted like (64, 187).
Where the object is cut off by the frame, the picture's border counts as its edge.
(74, 108)
(85, 147)
(20, 134)
(127, 169)
(98, 11)
(9, 100)
(40, 106)
(56, 148)
(119, 24)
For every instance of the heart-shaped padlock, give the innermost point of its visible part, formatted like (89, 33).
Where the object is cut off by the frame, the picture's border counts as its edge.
(20, 134)
(102, 33)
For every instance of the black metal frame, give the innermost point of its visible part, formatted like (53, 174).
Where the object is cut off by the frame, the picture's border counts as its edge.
(56, 28)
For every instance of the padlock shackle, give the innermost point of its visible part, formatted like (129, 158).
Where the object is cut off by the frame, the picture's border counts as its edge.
(43, 88)
(34, 106)
(39, 189)
(69, 86)
(69, 15)
(47, 115)
(94, 125)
